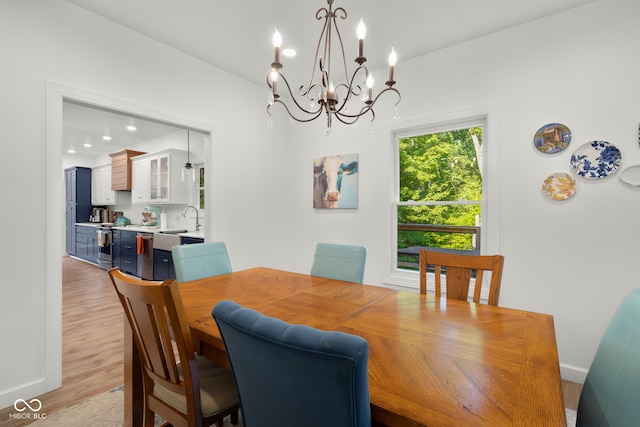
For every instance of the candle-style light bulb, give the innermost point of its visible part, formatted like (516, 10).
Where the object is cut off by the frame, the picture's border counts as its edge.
(277, 42)
(369, 83)
(276, 39)
(361, 32)
(393, 58)
(274, 79)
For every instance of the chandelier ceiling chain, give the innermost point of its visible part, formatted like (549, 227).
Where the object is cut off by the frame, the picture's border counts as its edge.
(323, 95)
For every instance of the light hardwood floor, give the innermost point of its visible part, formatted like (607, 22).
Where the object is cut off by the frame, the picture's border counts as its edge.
(92, 342)
(92, 339)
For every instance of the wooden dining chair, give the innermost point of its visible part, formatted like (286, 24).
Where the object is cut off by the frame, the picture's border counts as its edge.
(611, 391)
(200, 260)
(187, 390)
(458, 271)
(339, 262)
(294, 375)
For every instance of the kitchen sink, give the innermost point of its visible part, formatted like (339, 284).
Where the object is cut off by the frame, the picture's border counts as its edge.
(166, 241)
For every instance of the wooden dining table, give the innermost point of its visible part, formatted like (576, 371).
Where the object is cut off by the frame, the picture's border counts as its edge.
(432, 361)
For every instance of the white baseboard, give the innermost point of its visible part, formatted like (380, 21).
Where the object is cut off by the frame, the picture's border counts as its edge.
(24, 391)
(573, 373)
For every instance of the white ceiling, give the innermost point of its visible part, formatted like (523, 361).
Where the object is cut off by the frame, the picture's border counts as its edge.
(83, 124)
(236, 35)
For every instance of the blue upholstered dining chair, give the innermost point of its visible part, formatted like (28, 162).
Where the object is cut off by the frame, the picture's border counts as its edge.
(200, 260)
(611, 392)
(340, 262)
(294, 375)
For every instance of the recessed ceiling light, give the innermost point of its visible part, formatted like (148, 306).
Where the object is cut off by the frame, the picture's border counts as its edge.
(86, 144)
(131, 128)
(71, 151)
(106, 138)
(289, 52)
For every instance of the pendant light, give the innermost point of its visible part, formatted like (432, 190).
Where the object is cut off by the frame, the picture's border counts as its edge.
(188, 171)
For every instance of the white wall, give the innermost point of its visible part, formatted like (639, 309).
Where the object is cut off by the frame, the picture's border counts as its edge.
(574, 260)
(54, 41)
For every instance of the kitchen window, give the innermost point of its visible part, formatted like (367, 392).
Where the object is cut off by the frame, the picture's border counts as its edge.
(199, 196)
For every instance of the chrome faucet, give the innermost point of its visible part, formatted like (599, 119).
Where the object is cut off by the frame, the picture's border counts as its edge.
(184, 214)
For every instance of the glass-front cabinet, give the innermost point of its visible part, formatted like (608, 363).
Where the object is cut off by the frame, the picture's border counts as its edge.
(156, 178)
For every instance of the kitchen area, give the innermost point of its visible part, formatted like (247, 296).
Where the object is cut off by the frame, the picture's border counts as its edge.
(127, 208)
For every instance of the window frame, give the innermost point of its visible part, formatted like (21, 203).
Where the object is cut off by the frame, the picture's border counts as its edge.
(486, 116)
(197, 188)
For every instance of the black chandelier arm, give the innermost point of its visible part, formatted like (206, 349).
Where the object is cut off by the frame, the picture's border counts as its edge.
(392, 89)
(343, 117)
(315, 58)
(350, 87)
(286, 107)
(369, 107)
(344, 58)
(276, 98)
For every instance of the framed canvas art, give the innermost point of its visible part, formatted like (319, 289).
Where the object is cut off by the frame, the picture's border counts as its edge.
(335, 182)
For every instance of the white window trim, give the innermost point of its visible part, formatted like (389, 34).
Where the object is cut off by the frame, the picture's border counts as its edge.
(196, 189)
(489, 117)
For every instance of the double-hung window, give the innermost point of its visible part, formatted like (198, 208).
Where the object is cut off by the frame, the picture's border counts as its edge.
(441, 192)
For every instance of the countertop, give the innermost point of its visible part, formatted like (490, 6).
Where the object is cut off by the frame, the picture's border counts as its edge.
(150, 229)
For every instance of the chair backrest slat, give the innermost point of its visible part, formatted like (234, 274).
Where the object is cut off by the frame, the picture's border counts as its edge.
(156, 316)
(458, 270)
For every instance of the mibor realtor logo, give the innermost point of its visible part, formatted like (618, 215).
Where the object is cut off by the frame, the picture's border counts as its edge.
(27, 410)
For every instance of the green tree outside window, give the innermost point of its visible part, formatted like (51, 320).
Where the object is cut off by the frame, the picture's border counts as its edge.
(440, 184)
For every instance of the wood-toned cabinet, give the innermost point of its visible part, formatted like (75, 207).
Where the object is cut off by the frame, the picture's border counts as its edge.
(121, 175)
(101, 192)
(157, 178)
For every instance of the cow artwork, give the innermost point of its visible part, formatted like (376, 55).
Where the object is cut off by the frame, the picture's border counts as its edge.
(330, 190)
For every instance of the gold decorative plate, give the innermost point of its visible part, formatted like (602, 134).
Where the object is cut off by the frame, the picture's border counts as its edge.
(559, 186)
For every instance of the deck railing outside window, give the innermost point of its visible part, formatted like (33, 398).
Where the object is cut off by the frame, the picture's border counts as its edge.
(448, 236)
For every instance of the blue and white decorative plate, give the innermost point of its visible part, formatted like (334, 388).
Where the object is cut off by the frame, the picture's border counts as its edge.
(596, 159)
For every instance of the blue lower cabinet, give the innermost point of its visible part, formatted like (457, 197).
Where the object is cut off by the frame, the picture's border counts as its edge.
(191, 240)
(163, 265)
(115, 249)
(127, 249)
(87, 243)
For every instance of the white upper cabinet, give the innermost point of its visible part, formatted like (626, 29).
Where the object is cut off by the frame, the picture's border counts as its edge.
(157, 178)
(101, 193)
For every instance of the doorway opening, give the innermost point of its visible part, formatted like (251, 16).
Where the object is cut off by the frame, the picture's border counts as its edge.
(57, 96)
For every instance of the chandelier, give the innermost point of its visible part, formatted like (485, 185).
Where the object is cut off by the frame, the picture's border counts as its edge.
(323, 93)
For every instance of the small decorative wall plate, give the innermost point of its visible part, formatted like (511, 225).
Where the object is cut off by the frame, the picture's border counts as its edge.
(631, 176)
(559, 186)
(552, 138)
(596, 159)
